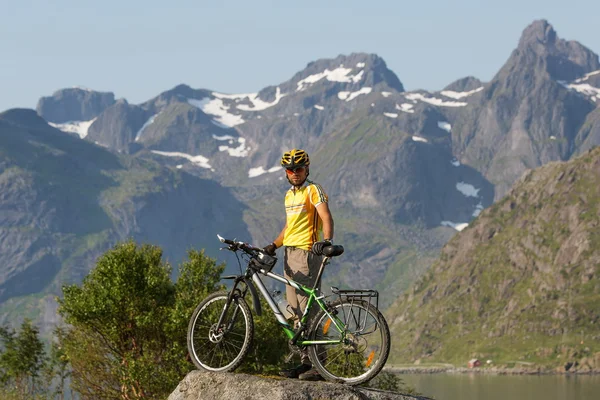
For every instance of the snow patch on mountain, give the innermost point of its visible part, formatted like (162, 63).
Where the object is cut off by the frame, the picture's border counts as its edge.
(460, 95)
(478, 209)
(219, 110)
(458, 226)
(390, 115)
(318, 107)
(352, 95)
(257, 103)
(434, 100)
(78, 127)
(586, 76)
(150, 120)
(467, 189)
(405, 107)
(254, 172)
(240, 151)
(339, 74)
(584, 88)
(444, 125)
(419, 139)
(199, 160)
(228, 138)
(386, 94)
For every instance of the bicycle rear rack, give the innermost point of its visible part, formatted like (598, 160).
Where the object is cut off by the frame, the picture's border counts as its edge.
(360, 294)
(352, 295)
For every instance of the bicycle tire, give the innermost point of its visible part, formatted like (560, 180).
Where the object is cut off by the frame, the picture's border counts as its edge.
(365, 350)
(220, 350)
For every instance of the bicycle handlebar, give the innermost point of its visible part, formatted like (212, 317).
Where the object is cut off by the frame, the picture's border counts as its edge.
(329, 251)
(233, 245)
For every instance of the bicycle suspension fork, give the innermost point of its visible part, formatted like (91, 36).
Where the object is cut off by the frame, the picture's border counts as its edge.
(230, 296)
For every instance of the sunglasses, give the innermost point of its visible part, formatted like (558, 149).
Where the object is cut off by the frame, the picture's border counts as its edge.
(292, 171)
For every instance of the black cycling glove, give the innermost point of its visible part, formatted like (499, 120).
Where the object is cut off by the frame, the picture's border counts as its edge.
(318, 247)
(270, 249)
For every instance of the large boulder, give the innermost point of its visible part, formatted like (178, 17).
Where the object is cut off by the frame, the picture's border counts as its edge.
(212, 385)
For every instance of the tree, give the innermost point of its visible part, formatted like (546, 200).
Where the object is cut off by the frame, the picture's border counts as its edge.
(118, 315)
(129, 322)
(22, 359)
(57, 365)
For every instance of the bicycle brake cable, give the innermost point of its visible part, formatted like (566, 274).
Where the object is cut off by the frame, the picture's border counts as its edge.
(239, 262)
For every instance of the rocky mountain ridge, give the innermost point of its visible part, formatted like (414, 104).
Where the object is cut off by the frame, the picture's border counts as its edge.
(520, 283)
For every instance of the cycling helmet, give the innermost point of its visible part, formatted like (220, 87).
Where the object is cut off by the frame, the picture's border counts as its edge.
(295, 158)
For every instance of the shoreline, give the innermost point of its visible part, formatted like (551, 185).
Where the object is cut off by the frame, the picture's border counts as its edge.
(523, 370)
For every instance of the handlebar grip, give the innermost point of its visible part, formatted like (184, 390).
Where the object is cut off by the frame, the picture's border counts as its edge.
(223, 240)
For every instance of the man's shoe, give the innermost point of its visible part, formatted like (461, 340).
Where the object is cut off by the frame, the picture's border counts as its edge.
(311, 375)
(296, 371)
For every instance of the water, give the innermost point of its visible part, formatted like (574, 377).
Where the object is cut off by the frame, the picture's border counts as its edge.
(505, 387)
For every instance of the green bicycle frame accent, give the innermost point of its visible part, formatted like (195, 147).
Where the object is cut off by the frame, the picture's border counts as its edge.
(312, 298)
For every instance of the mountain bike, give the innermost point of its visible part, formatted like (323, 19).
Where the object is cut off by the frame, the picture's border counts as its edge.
(347, 339)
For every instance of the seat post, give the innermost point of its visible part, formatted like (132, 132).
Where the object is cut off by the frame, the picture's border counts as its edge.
(323, 264)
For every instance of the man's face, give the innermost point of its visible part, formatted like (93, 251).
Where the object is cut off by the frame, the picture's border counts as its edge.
(297, 176)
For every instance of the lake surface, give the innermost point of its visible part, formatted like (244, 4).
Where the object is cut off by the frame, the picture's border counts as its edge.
(449, 386)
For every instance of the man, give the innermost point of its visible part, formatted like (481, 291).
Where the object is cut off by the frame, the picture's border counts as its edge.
(307, 214)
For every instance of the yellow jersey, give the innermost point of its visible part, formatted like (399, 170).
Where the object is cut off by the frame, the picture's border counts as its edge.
(304, 225)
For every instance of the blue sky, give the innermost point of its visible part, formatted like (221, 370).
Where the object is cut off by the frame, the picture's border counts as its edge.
(138, 49)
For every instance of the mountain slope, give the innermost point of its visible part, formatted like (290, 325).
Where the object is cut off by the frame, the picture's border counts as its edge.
(521, 283)
(64, 201)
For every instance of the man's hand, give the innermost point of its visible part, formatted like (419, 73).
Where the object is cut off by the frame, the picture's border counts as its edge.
(317, 248)
(270, 249)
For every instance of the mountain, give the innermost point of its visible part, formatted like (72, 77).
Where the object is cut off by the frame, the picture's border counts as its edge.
(404, 170)
(520, 283)
(75, 104)
(531, 111)
(345, 111)
(64, 201)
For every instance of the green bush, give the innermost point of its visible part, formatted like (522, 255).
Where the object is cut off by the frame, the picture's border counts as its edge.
(129, 322)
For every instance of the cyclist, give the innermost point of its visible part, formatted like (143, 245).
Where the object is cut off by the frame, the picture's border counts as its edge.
(307, 215)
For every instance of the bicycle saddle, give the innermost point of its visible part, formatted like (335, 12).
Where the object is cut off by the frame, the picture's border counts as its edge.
(333, 250)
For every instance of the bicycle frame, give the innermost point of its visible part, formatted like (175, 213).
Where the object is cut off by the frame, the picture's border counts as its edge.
(312, 299)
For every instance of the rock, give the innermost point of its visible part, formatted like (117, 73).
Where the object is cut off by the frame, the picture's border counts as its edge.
(213, 385)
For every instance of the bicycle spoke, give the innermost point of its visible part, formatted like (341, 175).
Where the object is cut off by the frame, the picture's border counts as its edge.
(363, 347)
(220, 348)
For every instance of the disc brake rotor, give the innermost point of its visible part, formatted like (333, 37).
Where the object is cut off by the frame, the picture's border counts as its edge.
(215, 335)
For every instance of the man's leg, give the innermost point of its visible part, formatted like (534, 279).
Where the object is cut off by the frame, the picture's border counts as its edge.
(314, 264)
(297, 268)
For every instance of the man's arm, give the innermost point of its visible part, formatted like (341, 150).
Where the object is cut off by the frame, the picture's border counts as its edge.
(325, 215)
(279, 241)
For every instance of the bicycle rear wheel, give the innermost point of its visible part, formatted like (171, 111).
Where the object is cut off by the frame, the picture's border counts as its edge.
(364, 343)
(223, 347)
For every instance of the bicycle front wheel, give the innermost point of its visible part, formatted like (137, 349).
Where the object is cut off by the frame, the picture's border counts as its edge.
(364, 342)
(220, 347)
